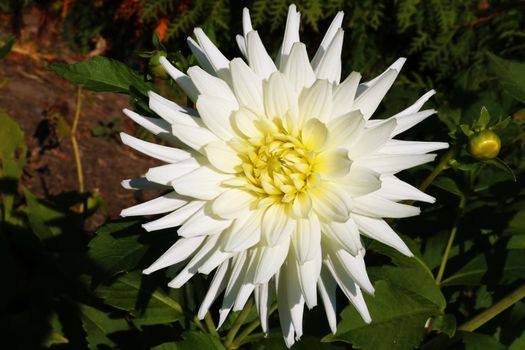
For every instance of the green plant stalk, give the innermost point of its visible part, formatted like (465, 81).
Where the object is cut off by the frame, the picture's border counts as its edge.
(212, 329)
(442, 165)
(482, 318)
(439, 276)
(248, 339)
(199, 324)
(228, 342)
(244, 337)
(78, 162)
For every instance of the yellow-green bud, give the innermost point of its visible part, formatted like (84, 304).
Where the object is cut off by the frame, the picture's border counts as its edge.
(484, 145)
(155, 68)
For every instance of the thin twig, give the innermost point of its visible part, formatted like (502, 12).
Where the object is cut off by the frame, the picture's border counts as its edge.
(442, 165)
(76, 152)
(228, 342)
(212, 329)
(245, 334)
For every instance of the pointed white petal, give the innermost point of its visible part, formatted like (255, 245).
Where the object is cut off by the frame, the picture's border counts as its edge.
(175, 218)
(210, 85)
(203, 223)
(329, 66)
(216, 113)
(236, 278)
(178, 252)
(243, 233)
(279, 97)
(217, 285)
(164, 153)
(345, 235)
(217, 60)
(269, 260)
(307, 238)
(344, 95)
(371, 139)
(396, 190)
(328, 37)
(361, 180)
(391, 164)
(159, 205)
(180, 78)
(333, 164)
(223, 157)
(316, 101)
(417, 105)
(370, 99)
(170, 111)
(374, 205)
(407, 121)
(331, 202)
(294, 297)
(345, 130)
(277, 225)
(262, 303)
(258, 57)
(298, 69)
(355, 267)
(285, 317)
(411, 147)
(397, 65)
(247, 123)
(202, 183)
(308, 275)
(314, 134)
(141, 183)
(247, 86)
(164, 174)
(200, 55)
(327, 289)
(156, 126)
(291, 34)
(246, 21)
(241, 43)
(233, 203)
(380, 231)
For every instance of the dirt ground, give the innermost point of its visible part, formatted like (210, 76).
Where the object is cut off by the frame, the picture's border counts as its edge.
(38, 99)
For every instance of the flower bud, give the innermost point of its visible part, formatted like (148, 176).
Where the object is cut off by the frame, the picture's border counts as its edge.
(484, 145)
(154, 66)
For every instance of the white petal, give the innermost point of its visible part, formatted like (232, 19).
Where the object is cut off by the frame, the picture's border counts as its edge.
(291, 33)
(345, 235)
(209, 85)
(164, 153)
(180, 78)
(396, 190)
(333, 164)
(175, 218)
(344, 95)
(172, 112)
(285, 317)
(202, 183)
(247, 122)
(371, 139)
(247, 86)
(217, 60)
(314, 134)
(361, 180)
(391, 164)
(331, 202)
(407, 121)
(397, 65)
(329, 66)
(263, 304)
(294, 297)
(316, 101)
(355, 267)
(328, 37)
(241, 43)
(178, 252)
(216, 113)
(380, 231)
(269, 260)
(298, 69)
(195, 137)
(411, 147)
(200, 55)
(277, 225)
(327, 289)
(156, 126)
(243, 233)
(308, 274)
(344, 130)
(203, 223)
(370, 99)
(246, 21)
(279, 97)
(244, 294)
(223, 157)
(258, 57)
(164, 174)
(217, 285)
(307, 239)
(376, 206)
(417, 105)
(159, 205)
(233, 203)
(234, 284)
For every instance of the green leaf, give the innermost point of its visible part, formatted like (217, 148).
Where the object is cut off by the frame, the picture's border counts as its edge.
(519, 343)
(193, 341)
(398, 316)
(511, 75)
(129, 291)
(98, 325)
(116, 247)
(39, 216)
(500, 164)
(447, 184)
(4, 50)
(477, 341)
(12, 160)
(56, 335)
(483, 120)
(445, 324)
(470, 274)
(516, 242)
(103, 74)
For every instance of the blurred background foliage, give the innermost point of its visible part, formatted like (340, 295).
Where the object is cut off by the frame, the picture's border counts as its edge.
(70, 289)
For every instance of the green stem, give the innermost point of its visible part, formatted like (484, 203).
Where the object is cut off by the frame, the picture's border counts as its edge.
(199, 324)
(442, 165)
(228, 342)
(439, 276)
(211, 325)
(245, 334)
(74, 143)
(248, 339)
(482, 318)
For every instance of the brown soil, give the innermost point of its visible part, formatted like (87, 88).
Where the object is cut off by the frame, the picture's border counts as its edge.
(38, 99)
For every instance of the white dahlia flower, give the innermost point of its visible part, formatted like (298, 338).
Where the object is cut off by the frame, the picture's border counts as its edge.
(276, 174)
